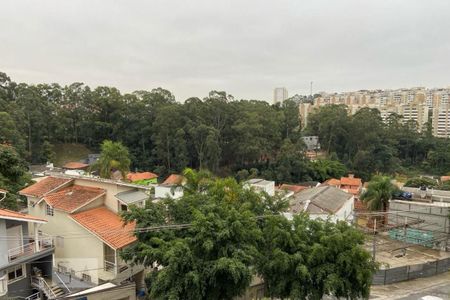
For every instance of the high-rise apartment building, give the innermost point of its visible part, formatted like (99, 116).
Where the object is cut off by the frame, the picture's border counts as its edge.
(280, 94)
(415, 111)
(441, 121)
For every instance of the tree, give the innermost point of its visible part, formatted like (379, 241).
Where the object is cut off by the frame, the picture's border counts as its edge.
(113, 157)
(212, 258)
(378, 193)
(13, 175)
(418, 182)
(323, 169)
(308, 259)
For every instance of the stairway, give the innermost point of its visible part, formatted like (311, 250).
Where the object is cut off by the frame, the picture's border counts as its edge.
(57, 292)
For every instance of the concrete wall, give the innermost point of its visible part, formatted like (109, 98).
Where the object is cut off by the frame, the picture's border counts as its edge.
(3, 244)
(436, 219)
(404, 273)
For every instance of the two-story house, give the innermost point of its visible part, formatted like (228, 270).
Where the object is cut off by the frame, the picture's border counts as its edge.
(83, 216)
(25, 257)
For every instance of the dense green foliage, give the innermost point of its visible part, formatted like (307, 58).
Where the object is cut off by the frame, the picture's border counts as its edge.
(13, 176)
(307, 259)
(113, 157)
(421, 181)
(378, 193)
(367, 145)
(234, 234)
(217, 132)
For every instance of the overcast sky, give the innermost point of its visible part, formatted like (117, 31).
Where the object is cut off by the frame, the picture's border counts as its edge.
(243, 47)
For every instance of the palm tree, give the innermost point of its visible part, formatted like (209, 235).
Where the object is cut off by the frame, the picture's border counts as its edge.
(197, 181)
(114, 157)
(378, 193)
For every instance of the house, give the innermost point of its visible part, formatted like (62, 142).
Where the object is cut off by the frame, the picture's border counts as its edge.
(350, 184)
(323, 202)
(82, 214)
(142, 177)
(25, 257)
(261, 185)
(171, 187)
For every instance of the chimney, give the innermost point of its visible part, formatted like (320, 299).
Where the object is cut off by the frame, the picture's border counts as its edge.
(351, 175)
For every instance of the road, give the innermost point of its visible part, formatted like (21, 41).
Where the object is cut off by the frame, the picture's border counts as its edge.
(438, 286)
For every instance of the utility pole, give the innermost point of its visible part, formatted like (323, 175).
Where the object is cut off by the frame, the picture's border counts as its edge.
(310, 90)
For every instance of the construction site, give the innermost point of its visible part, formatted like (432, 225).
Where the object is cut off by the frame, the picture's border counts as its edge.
(410, 240)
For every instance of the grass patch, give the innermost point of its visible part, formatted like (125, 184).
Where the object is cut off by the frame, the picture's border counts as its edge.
(65, 153)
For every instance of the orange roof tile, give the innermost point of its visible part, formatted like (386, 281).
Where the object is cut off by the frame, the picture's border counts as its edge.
(71, 198)
(333, 182)
(73, 165)
(14, 215)
(107, 226)
(44, 186)
(293, 188)
(351, 181)
(141, 176)
(445, 178)
(174, 179)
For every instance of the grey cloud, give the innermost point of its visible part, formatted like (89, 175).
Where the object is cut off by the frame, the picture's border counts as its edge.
(244, 47)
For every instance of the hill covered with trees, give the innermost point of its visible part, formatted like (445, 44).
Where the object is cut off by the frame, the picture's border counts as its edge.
(217, 132)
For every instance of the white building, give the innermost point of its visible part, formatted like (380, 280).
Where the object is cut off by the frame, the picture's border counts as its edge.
(323, 202)
(280, 94)
(261, 185)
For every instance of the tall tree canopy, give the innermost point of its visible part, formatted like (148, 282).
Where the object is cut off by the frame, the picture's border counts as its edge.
(231, 234)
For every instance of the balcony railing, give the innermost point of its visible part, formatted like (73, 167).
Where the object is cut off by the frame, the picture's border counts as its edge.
(44, 242)
(113, 268)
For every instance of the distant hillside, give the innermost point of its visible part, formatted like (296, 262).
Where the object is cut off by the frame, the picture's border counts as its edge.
(69, 152)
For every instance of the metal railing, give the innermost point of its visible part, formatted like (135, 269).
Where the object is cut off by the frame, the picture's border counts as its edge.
(35, 296)
(113, 268)
(44, 242)
(62, 281)
(42, 285)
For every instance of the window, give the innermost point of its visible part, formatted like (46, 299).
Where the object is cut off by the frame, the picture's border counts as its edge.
(16, 273)
(49, 210)
(86, 277)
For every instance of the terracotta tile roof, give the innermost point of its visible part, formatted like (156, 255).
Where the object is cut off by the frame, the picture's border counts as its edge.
(333, 182)
(445, 178)
(174, 179)
(293, 188)
(73, 197)
(107, 226)
(351, 181)
(73, 165)
(9, 214)
(44, 186)
(141, 176)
